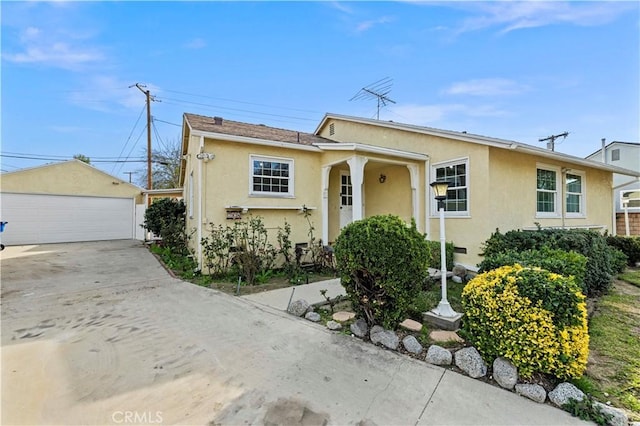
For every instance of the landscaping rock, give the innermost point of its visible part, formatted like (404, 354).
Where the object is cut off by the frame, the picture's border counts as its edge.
(470, 361)
(411, 344)
(438, 355)
(564, 392)
(299, 307)
(332, 325)
(456, 279)
(312, 316)
(505, 373)
(411, 325)
(343, 316)
(359, 328)
(618, 417)
(532, 391)
(445, 336)
(387, 338)
(459, 271)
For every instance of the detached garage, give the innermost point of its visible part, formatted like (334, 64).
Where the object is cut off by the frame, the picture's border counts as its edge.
(68, 202)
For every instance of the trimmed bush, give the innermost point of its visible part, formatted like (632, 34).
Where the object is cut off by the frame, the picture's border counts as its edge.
(567, 263)
(592, 244)
(630, 246)
(532, 317)
(166, 219)
(382, 264)
(434, 254)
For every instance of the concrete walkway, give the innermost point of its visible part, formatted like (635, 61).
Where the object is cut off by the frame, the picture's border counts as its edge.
(280, 298)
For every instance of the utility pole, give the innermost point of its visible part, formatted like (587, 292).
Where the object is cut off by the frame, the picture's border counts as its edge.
(129, 173)
(553, 138)
(149, 98)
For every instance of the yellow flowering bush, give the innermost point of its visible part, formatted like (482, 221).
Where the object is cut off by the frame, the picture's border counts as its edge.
(533, 317)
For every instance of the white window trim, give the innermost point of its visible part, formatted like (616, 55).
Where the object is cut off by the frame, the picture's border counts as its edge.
(583, 195)
(290, 194)
(630, 209)
(434, 204)
(556, 211)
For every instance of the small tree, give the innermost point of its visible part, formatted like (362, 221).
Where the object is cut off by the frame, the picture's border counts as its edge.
(382, 264)
(166, 219)
(82, 158)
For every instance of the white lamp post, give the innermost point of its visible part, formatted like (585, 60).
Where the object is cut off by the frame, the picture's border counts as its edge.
(444, 308)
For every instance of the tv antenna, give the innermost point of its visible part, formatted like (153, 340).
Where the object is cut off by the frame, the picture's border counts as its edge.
(379, 90)
(552, 139)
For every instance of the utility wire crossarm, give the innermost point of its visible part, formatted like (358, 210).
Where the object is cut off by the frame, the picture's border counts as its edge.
(149, 98)
(553, 138)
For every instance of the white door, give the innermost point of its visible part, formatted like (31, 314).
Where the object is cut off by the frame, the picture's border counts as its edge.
(346, 200)
(41, 219)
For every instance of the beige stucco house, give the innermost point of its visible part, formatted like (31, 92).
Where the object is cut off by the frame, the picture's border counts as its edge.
(67, 202)
(351, 168)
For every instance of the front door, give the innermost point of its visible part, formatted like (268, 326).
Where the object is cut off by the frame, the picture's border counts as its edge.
(346, 200)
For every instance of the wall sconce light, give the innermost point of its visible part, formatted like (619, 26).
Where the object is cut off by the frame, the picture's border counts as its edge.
(382, 178)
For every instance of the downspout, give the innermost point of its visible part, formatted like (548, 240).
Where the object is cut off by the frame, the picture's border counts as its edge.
(200, 196)
(604, 151)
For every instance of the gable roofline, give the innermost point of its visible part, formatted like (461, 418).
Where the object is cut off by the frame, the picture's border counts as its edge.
(61, 163)
(610, 144)
(481, 140)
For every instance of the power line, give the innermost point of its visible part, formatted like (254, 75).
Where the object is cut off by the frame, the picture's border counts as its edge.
(130, 134)
(25, 157)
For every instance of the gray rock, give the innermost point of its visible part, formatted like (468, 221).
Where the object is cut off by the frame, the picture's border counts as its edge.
(618, 417)
(359, 328)
(333, 325)
(470, 361)
(564, 392)
(532, 391)
(387, 338)
(438, 355)
(459, 271)
(505, 373)
(299, 307)
(456, 279)
(411, 344)
(312, 316)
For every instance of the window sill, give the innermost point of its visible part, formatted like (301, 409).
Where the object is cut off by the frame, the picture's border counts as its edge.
(268, 195)
(245, 209)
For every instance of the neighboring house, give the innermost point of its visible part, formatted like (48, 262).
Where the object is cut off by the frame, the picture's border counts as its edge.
(352, 168)
(152, 195)
(627, 188)
(68, 202)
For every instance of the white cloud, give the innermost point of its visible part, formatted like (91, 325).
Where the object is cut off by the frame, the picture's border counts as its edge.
(39, 47)
(514, 15)
(107, 93)
(367, 25)
(431, 115)
(486, 87)
(196, 43)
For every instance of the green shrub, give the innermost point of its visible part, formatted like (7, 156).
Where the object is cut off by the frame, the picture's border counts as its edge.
(166, 219)
(630, 246)
(591, 244)
(434, 254)
(618, 260)
(382, 264)
(567, 263)
(535, 318)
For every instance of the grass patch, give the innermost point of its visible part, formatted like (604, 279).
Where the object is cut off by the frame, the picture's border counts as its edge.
(632, 276)
(613, 371)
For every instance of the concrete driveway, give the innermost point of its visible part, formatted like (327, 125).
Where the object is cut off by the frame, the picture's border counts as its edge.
(99, 333)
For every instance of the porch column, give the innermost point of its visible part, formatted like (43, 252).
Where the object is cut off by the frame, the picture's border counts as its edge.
(325, 204)
(356, 164)
(413, 173)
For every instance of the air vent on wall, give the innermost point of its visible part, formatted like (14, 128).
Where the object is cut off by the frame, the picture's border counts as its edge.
(332, 129)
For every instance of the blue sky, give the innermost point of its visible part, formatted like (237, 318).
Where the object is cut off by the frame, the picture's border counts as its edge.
(513, 70)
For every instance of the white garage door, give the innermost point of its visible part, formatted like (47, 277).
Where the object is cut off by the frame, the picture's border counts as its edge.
(40, 219)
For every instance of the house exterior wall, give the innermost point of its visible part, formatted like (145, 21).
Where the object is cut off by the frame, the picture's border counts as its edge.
(68, 178)
(629, 158)
(226, 182)
(501, 187)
